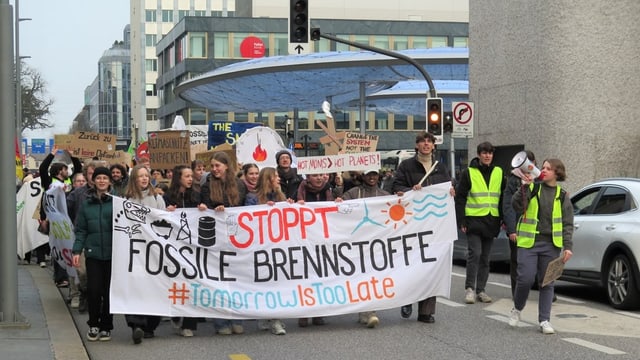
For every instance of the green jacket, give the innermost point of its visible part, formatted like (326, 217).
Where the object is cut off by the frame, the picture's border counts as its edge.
(94, 228)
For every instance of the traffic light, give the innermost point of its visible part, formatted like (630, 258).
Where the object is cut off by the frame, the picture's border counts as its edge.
(448, 122)
(299, 21)
(434, 116)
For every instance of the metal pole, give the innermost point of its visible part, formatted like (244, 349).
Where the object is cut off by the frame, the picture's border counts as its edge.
(8, 227)
(18, 79)
(363, 108)
(452, 164)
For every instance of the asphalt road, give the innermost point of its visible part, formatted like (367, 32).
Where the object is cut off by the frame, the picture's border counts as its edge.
(587, 327)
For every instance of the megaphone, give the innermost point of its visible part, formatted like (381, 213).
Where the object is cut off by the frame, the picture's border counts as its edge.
(522, 162)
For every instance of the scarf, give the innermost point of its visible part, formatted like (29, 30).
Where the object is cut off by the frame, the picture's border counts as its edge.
(250, 187)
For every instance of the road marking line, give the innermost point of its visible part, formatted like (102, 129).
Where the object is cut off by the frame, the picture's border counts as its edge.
(630, 314)
(459, 275)
(449, 302)
(500, 284)
(570, 300)
(505, 319)
(239, 357)
(594, 346)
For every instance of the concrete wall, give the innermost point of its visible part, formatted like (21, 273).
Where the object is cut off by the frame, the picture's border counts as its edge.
(562, 78)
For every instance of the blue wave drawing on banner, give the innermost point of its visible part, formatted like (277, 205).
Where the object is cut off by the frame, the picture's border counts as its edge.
(440, 204)
(443, 197)
(419, 218)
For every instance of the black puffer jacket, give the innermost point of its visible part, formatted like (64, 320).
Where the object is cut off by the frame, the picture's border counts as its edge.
(411, 171)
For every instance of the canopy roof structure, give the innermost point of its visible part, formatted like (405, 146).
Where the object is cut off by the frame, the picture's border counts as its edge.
(408, 97)
(284, 83)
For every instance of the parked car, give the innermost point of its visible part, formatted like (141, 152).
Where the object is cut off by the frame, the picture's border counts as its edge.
(499, 251)
(606, 240)
(394, 157)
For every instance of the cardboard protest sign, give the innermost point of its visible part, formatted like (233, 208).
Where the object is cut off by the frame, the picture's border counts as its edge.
(169, 148)
(338, 163)
(205, 156)
(85, 145)
(356, 142)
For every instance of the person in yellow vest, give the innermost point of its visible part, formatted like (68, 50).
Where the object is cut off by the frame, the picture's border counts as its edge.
(478, 212)
(545, 227)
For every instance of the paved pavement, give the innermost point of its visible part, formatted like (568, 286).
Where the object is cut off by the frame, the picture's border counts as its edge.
(49, 331)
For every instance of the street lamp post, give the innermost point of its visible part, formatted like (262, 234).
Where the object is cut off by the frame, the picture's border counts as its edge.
(18, 70)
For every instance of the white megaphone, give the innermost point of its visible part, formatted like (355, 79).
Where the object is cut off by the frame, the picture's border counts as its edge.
(522, 162)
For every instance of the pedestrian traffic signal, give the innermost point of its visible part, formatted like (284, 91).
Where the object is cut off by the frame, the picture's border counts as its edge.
(299, 21)
(434, 116)
(447, 126)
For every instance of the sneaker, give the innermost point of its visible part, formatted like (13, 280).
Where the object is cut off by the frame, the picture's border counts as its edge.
(483, 297)
(105, 335)
(137, 335)
(225, 331)
(363, 317)
(237, 329)
(93, 334)
(176, 322)
(264, 324)
(373, 321)
(406, 310)
(318, 321)
(277, 328)
(546, 328)
(186, 333)
(469, 296)
(514, 318)
(75, 302)
(43, 264)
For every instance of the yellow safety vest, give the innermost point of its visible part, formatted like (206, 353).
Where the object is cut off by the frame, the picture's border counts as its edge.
(528, 223)
(483, 200)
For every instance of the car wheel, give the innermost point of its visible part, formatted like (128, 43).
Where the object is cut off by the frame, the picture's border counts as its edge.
(622, 291)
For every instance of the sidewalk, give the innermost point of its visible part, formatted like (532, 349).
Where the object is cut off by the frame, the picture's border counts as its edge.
(51, 333)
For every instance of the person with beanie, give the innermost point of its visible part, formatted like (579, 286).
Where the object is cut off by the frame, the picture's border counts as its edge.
(289, 178)
(410, 176)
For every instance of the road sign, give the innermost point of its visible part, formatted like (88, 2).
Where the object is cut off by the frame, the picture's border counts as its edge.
(462, 119)
(299, 48)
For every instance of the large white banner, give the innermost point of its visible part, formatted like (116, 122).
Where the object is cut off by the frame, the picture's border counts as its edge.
(283, 261)
(27, 214)
(61, 232)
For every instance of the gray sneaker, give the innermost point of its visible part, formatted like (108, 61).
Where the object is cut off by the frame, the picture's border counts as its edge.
(483, 297)
(514, 318)
(469, 296)
(277, 328)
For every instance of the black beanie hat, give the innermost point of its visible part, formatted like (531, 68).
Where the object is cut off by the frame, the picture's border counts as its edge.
(100, 170)
(280, 153)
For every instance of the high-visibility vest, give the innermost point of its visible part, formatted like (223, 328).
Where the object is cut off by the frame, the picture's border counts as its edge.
(483, 200)
(528, 223)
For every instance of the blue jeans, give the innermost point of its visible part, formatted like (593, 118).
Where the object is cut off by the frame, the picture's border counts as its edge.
(225, 323)
(478, 248)
(532, 264)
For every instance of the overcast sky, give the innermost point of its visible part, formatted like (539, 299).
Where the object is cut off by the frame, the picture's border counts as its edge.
(65, 39)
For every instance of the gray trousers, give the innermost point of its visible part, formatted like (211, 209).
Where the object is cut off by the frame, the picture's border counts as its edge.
(478, 248)
(532, 264)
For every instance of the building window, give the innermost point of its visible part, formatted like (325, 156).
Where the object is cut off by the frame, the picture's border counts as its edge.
(200, 13)
(197, 45)
(438, 41)
(182, 14)
(340, 46)
(150, 16)
(221, 45)
(167, 16)
(460, 42)
(151, 40)
(151, 90)
(419, 43)
(400, 122)
(281, 45)
(152, 114)
(197, 116)
(400, 42)
(237, 40)
(381, 41)
(382, 121)
(151, 64)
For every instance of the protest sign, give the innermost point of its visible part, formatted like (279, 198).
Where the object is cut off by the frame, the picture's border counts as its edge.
(259, 146)
(27, 204)
(86, 145)
(283, 261)
(356, 142)
(169, 148)
(227, 132)
(61, 232)
(340, 162)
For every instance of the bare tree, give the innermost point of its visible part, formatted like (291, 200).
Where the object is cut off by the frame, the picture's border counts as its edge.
(36, 105)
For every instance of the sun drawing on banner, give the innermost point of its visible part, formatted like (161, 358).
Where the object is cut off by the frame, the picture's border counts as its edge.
(397, 213)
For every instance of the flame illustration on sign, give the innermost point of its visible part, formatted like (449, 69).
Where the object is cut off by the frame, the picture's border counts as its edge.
(259, 154)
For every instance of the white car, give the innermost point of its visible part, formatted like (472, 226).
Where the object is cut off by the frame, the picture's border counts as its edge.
(606, 240)
(395, 157)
